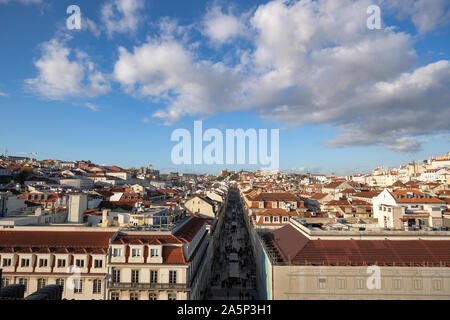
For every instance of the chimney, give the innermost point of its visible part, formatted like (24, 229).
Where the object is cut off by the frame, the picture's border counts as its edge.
(105, 217)
(77, 205)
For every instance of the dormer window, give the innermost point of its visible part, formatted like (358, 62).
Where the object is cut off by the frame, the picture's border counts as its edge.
(43, 263)
(154, 253)
(117, 252)
(61, 263)
(135, 252)
(267, 219)
(98, 263)
(6, 262)
(25, 263)
(79, 263)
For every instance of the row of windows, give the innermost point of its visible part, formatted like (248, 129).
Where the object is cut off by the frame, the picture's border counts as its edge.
(60, 263)
(135, 252)
(276, 219)
(274, 204)
(151, 296)
(417, 284)
(135, 276)
(42, 282)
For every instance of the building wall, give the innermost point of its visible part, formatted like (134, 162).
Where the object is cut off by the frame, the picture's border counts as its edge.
(351, 282)
(197, 205)
(68, 293)
(144, 278)
(263, 266)
(78, 183)
(77, 205)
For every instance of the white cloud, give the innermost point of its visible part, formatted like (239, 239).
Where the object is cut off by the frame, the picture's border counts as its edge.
(311, 62)
(3, 94)
(393, 113)
(90, 25)
(221, 27)
(426, 15)
(121, 16)
(166, 71)
(319, 64)
(65, 75)
(92, 106)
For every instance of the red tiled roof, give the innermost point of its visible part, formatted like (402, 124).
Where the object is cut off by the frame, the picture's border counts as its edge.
(318, 196)
(357, 202)
(443, 192)
(146, 239)
(366, 194)
(173, 255)
(298, 249)
(85, 239)
(421, 197)
(273, 196)
(338, 203)
(188, 231)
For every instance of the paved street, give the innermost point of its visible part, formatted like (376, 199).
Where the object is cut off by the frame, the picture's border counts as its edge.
(235, 279)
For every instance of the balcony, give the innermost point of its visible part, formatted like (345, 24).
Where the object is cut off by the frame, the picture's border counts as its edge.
(148, 286)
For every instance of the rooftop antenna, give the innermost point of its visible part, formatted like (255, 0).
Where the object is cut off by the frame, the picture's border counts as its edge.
(31, 154)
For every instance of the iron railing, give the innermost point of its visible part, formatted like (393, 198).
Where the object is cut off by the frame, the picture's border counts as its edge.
(148, 286)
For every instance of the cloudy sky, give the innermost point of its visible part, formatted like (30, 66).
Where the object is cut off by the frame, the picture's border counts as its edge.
(345, 98)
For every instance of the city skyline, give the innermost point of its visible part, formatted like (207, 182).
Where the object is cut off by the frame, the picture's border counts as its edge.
(221, 168)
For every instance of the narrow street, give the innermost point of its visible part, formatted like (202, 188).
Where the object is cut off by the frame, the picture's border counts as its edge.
(233, 271)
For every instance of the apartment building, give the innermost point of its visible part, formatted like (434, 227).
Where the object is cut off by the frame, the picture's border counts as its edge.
(317, 200)
(158, 265)
(257, 201)
(335, 187)
(202, 205)
(104, 263)
(298, 263)
(48, 201)
(78, 182)
(74, 258)
(407, 208)
(272, 218)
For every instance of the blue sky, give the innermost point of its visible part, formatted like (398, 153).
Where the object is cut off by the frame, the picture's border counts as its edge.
(345, 98)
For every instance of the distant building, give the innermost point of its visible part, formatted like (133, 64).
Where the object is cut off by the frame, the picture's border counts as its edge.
(272, 218)
(78, 183)
(77, 206)
(4, 172)
(407, 208)
(202, 206)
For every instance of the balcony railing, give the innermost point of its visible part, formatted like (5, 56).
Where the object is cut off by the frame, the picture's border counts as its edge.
(148, 286)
